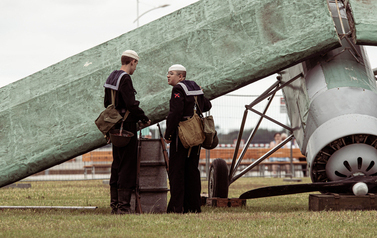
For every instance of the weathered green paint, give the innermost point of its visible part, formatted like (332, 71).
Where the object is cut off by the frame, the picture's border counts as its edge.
(364, 15)
(349, 74)
(341, 66)
(48, 117)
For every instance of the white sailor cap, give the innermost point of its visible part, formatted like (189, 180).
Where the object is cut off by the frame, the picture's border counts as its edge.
(177, 67)
(131, 53)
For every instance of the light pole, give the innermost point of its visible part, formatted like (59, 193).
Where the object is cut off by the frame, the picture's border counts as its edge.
(137, 19)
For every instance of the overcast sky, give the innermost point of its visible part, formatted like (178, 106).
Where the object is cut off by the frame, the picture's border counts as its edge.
(38, 33)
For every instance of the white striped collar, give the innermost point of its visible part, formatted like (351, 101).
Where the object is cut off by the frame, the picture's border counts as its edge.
(115, 87)
(190, 93)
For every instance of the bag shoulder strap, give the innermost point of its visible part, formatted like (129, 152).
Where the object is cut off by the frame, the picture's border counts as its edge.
(126, 115)
(113, 93)
(197, 105)
(114, 88)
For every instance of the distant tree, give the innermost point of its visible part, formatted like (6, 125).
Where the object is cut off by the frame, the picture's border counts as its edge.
(263, 136)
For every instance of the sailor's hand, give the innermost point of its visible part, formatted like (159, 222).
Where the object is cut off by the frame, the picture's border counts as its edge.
(144, 124)
(167, 141)
(148, 123)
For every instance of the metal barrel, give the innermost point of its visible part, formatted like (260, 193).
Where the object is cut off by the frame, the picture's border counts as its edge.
(153, 178)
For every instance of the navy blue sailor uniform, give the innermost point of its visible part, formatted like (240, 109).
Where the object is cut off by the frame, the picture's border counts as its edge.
(184, 175)
(123, 168)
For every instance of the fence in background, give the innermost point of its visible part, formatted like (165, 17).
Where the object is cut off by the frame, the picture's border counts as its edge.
(227, 112)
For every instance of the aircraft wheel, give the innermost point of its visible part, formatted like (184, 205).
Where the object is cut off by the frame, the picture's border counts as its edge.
(218, 179)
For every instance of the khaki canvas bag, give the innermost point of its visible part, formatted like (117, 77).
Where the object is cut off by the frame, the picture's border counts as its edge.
(210, 133)
(109, 117)
(209, 130)
(190, 132)
(211, 140)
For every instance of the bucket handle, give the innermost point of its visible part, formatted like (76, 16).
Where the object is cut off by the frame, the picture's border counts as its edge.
(121, 128)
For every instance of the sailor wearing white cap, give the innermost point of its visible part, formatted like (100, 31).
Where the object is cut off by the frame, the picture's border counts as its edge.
(184, 176)
(131, 53)
(123, 168)
(177, 67)
(176, 74)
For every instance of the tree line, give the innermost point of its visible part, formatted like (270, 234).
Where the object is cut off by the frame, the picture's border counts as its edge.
(263, 136)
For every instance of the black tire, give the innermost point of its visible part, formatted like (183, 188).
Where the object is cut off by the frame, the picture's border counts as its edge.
(218, 184)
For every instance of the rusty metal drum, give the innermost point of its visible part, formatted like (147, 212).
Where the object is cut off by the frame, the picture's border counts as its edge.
(153, 178)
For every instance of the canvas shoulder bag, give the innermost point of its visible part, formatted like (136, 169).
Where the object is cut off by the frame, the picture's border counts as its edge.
(109, 117)
(190, 132)
(209, 130)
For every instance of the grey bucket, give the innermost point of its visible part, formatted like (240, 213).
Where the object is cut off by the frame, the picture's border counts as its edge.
(153, 178)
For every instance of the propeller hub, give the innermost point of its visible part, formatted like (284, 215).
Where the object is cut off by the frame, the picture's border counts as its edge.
(352, 160)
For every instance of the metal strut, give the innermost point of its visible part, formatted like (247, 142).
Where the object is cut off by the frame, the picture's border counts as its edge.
(242, 129)
(270, 92)
(232, 172)
(263, 157)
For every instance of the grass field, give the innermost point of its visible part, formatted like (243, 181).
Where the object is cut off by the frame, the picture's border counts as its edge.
(282, 216)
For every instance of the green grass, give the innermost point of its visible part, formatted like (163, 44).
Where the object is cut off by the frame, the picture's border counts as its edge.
(282, 216)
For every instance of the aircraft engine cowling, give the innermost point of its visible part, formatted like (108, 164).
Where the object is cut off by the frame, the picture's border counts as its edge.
(334, 115)
(333, 109)
(349, 156)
